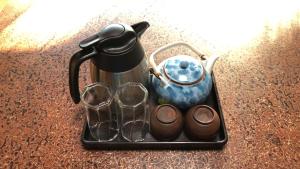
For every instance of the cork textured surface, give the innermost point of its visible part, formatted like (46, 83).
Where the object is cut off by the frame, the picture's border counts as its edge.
(258, 78)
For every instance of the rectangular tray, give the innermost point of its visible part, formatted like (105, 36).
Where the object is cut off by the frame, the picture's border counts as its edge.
(182, 142)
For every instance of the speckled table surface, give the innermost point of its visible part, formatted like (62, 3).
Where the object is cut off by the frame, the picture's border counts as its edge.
(258, 77)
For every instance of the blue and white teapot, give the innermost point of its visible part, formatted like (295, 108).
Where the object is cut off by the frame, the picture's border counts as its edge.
(182, 80)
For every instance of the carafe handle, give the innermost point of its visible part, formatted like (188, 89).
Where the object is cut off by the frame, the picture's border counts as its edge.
(74, 67)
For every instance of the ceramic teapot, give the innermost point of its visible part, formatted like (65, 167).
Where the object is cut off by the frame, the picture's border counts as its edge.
(182, 80)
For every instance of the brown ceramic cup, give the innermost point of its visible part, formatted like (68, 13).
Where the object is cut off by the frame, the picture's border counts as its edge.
(166, 122)
(201, 122)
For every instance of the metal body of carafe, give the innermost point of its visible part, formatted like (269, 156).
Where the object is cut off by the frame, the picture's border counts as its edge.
(140, 74)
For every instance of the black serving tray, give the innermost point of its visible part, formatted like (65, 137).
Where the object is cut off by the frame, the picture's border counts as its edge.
(182, 142)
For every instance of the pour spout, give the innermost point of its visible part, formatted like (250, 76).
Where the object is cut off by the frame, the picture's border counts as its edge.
(210, 63)
(140, 27)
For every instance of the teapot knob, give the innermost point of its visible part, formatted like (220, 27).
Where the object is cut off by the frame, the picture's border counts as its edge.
(184, 64)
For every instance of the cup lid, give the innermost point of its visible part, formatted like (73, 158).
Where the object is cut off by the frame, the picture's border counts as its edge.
(166, 113)
(203, 114)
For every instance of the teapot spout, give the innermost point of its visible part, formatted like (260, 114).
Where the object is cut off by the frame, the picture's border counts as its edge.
(140, 27)
(210, 63)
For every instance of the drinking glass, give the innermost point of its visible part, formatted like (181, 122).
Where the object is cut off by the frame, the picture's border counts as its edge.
(102, 121)
(132, 99)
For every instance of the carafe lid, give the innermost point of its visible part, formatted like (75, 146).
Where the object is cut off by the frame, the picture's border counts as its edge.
(118, 47)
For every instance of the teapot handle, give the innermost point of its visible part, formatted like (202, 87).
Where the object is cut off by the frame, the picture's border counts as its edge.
(168, 46)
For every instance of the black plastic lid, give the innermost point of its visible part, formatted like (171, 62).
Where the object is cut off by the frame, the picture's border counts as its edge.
(118, 48)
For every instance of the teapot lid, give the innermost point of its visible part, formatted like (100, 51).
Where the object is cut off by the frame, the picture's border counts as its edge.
(183, 70)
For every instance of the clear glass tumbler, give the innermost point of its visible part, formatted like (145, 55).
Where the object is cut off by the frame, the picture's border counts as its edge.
(132, 101)
(102, 121)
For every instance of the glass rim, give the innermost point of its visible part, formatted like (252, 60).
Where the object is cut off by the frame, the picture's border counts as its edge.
(141, 86)
(101, 104)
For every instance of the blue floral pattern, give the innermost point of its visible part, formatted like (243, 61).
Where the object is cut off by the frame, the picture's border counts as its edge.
(183, 96)
(183, 71)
